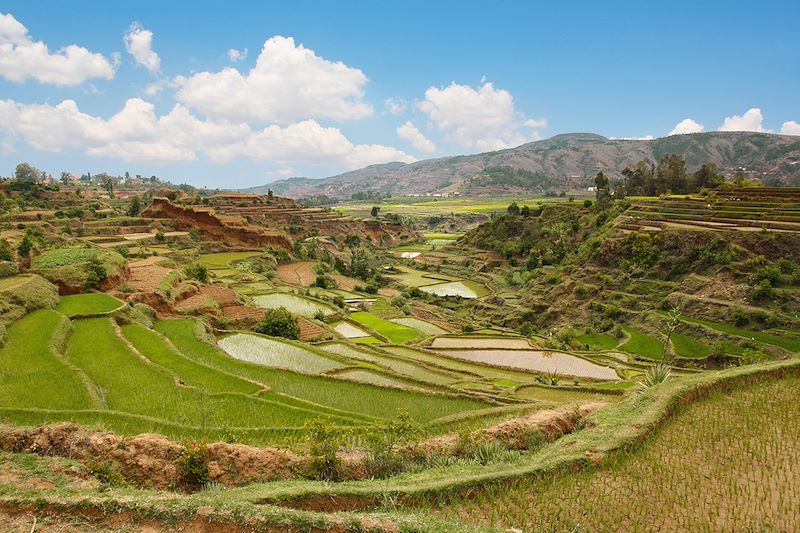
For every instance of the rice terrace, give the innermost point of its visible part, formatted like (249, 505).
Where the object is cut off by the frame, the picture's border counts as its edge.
(235, 309)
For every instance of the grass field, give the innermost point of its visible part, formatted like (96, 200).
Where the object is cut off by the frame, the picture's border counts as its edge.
(133, 386)
(676, 481)
(224, 259)
(689, 348)
(88, 304)
(599, 341)
(642, 344)
(793, 345)
(464, 289)
(396, 333)
(32, 373)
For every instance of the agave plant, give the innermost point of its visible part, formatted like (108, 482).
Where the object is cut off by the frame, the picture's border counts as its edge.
(657, 374)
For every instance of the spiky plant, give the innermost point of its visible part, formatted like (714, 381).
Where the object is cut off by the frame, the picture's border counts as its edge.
(657, 374)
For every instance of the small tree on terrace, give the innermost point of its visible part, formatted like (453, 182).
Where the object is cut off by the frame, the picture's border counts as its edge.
(136, 206)
(375, 210)
(603, 193)
(278, 323)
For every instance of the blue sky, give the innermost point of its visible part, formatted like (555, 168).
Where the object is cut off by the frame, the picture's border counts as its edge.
(327, 87)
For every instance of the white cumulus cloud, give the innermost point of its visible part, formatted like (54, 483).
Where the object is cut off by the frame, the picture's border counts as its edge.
(22, 58)
(790, 128)
(482, 118)
(237, 55)
(752, 120)
(409, 132)
(138, 134)
(288, 83)
(139, 44)
(687, 125)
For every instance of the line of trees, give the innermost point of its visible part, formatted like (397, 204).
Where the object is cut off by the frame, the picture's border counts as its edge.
(669, 175)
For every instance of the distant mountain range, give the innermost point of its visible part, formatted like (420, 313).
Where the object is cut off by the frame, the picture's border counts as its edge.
(562, 162)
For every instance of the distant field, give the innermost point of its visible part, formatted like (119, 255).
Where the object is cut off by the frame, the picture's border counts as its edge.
(293, 303)
(437, 206)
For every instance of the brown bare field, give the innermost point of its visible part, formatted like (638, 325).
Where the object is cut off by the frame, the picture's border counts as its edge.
(146, 274)
(298, 273)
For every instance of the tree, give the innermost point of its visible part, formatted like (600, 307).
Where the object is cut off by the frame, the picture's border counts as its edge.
(603, 193)
(513, 209)
(64, 177)
(671, 175)
(270, 196)
(26, 172)
(706, 177)
(136, 206)
(109, 185)
(375, 210)
(25, 246)
(5, 251)
(278, 323)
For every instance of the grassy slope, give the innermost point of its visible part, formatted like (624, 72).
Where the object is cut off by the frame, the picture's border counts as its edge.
(88, 304)
(642, 345)
(32, 374)
(688, 347)
(133, 386)
(793, 345)
(749, 483)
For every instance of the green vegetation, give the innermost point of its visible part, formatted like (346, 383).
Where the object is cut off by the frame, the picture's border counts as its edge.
(33, 374)
(788, 343)
(396, 333)
(78, 266)
(689, 348)
(599, 341)
(88, 304)
(278, 323)
(642, 344)
(647, 489)
(336, 394)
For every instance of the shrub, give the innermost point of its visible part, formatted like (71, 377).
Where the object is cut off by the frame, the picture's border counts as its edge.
(194, 465)
(197, 271)
(762, 291)
(657, 374)
(95, 273)
(325, 440)
(278, 323)
(6, 254)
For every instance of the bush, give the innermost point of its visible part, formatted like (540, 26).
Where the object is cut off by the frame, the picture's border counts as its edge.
(325, 440)
(278, 323)
(95, 274)
(6, 254)
(194, 465)
(197, 271)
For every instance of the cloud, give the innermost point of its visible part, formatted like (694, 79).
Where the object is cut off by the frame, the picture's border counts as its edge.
(752, 120)
(687, 125)
(237, 55)
(790, 128)
(410, 133)
(395, 106)
(137, 134)
(22, 58)
(139, 44)
(288, 83)
(482, 118)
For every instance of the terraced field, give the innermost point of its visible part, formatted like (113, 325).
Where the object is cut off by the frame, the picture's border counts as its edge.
(88, 304)
(295, 304)
(749, 484)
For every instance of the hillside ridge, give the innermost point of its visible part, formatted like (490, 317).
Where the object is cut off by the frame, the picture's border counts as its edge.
(562, 162)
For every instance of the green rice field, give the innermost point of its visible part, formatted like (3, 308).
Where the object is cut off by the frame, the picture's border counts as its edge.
(88, 304)
(396, 333)
(293, 303)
